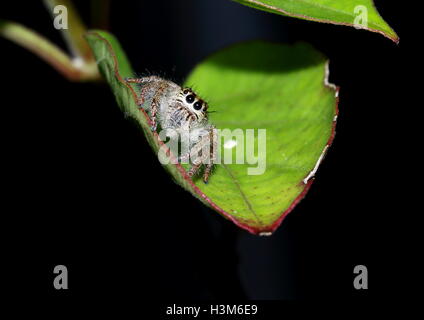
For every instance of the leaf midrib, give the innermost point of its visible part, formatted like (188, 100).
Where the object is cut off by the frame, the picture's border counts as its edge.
(243, 195)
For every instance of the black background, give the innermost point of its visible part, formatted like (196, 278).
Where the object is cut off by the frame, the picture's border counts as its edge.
(85, 190)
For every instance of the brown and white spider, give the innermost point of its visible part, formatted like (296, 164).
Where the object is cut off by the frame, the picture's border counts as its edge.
(181, 110)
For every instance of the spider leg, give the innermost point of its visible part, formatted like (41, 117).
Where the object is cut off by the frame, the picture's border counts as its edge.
(133, 80)
(207, 172)
(142, 97)
(195, 158)
(193, 170)
(149, 83)
(212, 155)
(143, 80)
(155, 105)
(207, 147)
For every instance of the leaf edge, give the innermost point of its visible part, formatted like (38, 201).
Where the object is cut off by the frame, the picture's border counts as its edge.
(269, 8)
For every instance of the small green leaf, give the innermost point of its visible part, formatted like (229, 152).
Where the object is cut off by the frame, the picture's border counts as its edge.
(341, 12)
(252, 85)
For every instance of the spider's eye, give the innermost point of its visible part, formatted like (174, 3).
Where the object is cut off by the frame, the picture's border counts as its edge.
(198, 105)
(190, 98)
(185, 91)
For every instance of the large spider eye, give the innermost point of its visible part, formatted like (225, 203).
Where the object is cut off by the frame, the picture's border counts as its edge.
(197, 105)
(190, 98)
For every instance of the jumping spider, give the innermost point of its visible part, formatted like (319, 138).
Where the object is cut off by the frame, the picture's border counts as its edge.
(179, 109)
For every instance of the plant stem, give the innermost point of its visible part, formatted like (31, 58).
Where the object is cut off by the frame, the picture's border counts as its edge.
(74, 35)
(72, 69)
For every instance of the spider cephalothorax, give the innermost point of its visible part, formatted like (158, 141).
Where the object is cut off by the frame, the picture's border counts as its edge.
(182, 110)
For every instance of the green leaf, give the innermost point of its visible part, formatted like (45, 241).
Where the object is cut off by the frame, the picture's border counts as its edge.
(341, 12)
(251, 85)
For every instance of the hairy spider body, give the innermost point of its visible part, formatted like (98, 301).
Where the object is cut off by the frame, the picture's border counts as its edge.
(182, 110)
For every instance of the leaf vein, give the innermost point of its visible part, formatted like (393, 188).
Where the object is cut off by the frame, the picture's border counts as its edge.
(243, 195)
